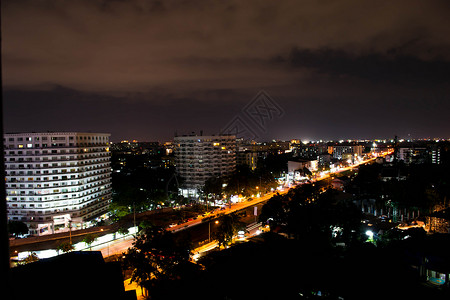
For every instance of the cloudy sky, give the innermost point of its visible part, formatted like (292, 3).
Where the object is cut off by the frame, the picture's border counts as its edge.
(148, 69)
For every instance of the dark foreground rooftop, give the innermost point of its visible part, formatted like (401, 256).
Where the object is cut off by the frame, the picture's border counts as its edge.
(75, 275)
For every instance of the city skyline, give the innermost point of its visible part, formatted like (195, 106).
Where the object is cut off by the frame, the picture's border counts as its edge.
(146, 70)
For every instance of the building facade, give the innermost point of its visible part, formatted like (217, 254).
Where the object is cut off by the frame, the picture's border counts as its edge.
(248, 158)
(57, 178)
(199, 158)
(338, 151)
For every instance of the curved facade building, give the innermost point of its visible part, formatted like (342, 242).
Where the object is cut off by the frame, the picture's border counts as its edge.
(54, 178)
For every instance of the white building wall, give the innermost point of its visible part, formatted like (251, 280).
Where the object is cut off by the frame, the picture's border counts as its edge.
(55, 177)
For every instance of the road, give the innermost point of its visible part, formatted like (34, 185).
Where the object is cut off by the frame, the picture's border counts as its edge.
(257, 200)
(115, 247)
(119, 246)
(202, 233)
(234, 208)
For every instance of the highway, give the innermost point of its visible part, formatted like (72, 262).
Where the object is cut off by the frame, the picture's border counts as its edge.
(242, 205)
(235, 207)
(121, 245)
(117, 247)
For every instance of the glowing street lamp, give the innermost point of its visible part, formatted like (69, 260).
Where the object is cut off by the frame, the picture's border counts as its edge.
(209, 229)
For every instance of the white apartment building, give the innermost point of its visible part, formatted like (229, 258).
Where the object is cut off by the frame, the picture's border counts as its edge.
(199, 158)
(53, 178)
(338, 150)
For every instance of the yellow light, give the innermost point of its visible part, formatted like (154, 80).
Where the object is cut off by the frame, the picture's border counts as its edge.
(216, 144)
(223, 148)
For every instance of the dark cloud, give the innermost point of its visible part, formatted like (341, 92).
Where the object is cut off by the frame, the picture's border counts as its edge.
(146, 68)
(143, 116)
(395, 69)
(134, 45)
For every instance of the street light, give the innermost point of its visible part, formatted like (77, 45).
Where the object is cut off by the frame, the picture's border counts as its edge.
(70, 232)
(209, 231)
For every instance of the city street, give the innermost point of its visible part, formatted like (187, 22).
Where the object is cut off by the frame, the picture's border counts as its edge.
(199, 230)
(242, 205)
(115, 247)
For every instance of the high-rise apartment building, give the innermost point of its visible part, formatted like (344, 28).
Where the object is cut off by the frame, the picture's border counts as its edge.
(338, 151)
(199, 158)
(53, 178)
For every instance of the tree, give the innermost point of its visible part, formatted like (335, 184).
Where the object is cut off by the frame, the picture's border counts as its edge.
(29, 259)
(247, 182)
(17, 228)
(306, 172)
(123, 230)
(213, 186)
(157, 256)
(65, 247)
(274, 211)
(89, 239)
(228, 227)
(238, 182)
(117, 211)
(307, 213)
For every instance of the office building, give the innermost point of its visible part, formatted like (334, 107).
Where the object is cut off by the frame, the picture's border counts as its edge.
(57, 178)
(199, 158)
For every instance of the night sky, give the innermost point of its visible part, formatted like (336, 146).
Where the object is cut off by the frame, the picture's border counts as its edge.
(147, 69)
